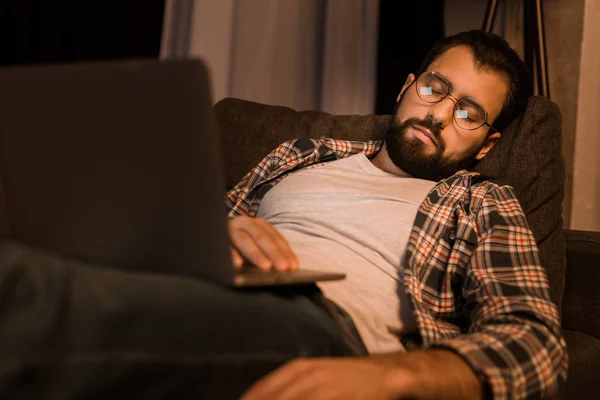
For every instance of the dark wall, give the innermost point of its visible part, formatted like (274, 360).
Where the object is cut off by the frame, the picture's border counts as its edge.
(407, 30)
(75, 30)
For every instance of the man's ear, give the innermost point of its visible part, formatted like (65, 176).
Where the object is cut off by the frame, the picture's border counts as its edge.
(489, 143)
(409, 80)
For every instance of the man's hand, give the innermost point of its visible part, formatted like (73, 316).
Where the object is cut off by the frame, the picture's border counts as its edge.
(332, 378)
(259, 243)
(419, 374)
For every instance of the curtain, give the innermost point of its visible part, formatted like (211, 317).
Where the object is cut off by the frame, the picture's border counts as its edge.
(586, 181)
(305, 54)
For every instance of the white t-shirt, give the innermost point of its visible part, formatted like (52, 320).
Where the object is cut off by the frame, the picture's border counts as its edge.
(349, 216)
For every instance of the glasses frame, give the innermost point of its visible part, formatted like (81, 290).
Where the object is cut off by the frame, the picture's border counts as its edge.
(456, 101)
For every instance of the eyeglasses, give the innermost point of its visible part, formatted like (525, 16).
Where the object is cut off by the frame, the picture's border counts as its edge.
(468, 114)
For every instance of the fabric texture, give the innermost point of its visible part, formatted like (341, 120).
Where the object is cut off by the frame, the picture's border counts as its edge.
(4, 218)
(584, 367)
(471, 271)
(581, 302)
(349, 216)
(251, 130)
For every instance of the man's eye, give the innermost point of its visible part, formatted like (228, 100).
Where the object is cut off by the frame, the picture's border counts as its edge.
(462, 114)
(430, 91)
(465, 114)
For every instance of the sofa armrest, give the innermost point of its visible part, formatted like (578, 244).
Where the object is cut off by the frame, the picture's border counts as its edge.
(581, 299)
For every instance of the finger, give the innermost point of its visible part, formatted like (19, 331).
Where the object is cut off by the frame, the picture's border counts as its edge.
(247, 247)
(236, 258)
(272, 243)
(291, 261)
(268, 243)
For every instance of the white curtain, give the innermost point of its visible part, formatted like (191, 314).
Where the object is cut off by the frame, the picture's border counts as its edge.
(305, 54)
(586, 182)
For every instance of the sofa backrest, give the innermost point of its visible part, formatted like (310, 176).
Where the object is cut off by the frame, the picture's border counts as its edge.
(528, 157)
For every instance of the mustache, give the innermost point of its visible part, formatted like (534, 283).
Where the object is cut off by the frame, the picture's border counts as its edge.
(434, 128)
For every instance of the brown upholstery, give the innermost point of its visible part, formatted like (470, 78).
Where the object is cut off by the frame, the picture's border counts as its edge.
(584, 364)
(581, 300)
(4, 221)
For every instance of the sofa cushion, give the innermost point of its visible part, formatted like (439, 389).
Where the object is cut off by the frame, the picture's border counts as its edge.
(528, 157)
(581, 299)
(583, 380)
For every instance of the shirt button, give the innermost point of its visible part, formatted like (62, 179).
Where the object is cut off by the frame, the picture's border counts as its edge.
(452, 235)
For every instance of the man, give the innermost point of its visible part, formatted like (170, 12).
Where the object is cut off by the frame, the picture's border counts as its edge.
(426, 249)
(440, 263)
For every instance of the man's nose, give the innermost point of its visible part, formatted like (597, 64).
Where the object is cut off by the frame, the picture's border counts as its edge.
(441, 112)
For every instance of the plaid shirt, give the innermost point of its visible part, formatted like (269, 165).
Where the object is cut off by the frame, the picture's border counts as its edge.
(471, 271)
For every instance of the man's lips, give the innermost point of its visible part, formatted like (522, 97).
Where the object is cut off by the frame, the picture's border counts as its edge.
(425, 132)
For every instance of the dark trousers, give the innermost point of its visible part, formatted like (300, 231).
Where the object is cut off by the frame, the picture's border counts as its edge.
(69, 331)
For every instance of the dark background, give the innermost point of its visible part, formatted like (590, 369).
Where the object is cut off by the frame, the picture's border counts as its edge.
(51, 31)
(407, 30)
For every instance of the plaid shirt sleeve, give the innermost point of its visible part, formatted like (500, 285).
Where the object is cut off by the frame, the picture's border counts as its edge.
(236, 199)
(513, 343)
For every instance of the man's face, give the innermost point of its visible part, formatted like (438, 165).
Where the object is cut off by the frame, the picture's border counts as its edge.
(424, 140)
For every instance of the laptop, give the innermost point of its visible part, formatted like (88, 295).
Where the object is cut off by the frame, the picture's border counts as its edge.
(119, 164)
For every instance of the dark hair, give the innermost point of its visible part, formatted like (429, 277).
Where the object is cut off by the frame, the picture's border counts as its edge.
(492, 54)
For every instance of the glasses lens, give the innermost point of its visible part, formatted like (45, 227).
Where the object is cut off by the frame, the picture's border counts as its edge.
(469, 115)
(431, 87)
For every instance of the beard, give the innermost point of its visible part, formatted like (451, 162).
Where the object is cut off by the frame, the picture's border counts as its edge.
(411, 155)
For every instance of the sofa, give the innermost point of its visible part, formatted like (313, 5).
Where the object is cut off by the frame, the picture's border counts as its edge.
(528, 157)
